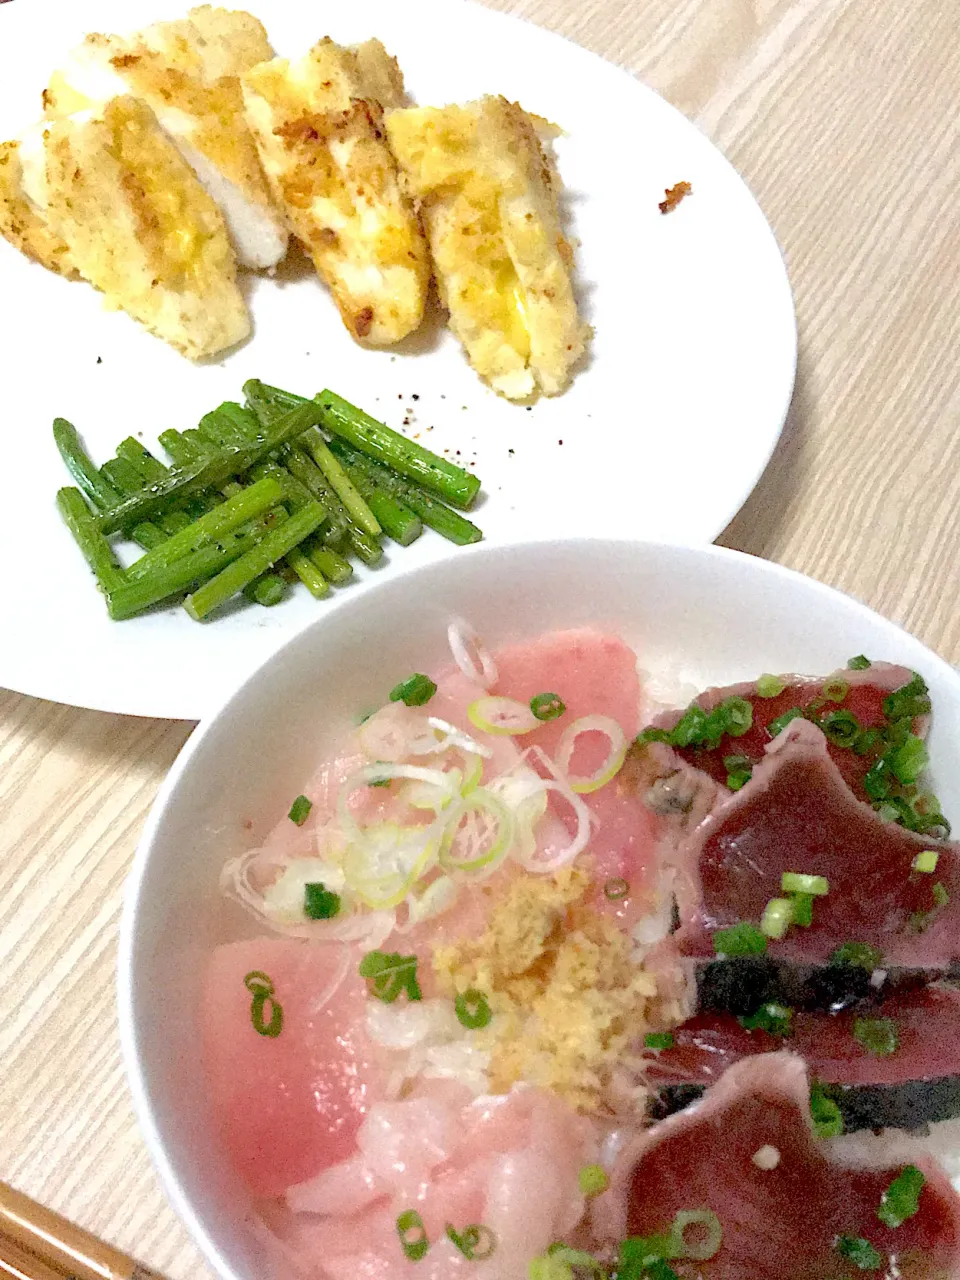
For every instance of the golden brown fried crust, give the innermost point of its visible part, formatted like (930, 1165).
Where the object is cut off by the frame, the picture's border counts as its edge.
(674, 195)
(22, 225)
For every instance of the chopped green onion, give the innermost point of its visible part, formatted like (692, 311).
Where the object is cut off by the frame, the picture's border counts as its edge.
(319, 903)
(413, 1235)
(909, 701)
(769, 686)
(741, 939)
(616, 889)
(560, 1261)
(777, 726)
(690, 728)
(876, 781)
(653, 734)
(415, 691)
(861, 954)
(547, 706)
(926, 861)
(901, 1200)
(261, 988)
(866, 741)
(476, 1243)
(300, 810)
(836, 690)
(796, 882)
(940, 895)
(859, 663)
(887, 812)
(775, 1019)
(908, 762)
(390, 973)
(644, 1256)
(860, 1252)
(660, 1270)
(739, 716)
(878, 1036)
(802, 909)
(473, 1009)
(777, 917)
(593, 1179)
(658, 1040)
(707, 1242)
(842, 728)
(825, 1114)
(738, 778)
(730, 763)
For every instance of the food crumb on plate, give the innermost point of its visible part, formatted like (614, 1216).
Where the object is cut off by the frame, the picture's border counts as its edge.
(674, 195)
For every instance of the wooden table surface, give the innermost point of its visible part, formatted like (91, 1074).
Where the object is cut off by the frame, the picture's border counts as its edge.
(841, 115)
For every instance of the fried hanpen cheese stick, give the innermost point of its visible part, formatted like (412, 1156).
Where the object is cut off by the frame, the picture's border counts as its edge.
(319, 129)
(188, 74)
(140, 227)
(22, 223)
(488, 196)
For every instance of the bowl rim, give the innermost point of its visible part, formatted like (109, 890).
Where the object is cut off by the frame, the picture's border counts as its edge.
(131, 902)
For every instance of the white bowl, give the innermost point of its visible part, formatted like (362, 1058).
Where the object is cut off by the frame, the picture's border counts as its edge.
(717, 615)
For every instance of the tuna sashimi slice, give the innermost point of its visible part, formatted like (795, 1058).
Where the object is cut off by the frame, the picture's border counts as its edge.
(289, 1105)
(594, 674)
(865, 698)
(917, 1084)
(797, 814)
(779, 1222)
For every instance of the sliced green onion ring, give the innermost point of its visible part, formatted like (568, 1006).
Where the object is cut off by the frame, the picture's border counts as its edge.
(706, 1242)
(611, 766)
(413, 1235)
(502, 716)
(476, 1242)
(547, 706)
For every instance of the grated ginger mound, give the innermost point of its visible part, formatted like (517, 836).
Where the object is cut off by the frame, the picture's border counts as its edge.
(568, 997)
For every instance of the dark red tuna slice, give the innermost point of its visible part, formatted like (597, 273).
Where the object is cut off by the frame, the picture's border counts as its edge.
(798, 815)
(784, 1201)
(917, 1084)
(866, 693)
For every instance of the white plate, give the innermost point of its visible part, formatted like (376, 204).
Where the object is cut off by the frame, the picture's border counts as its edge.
(663, 434)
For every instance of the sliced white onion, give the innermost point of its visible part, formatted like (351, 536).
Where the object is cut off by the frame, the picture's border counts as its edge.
(459, 847)
(394, 732)
(455, 737)
(611, 766)
(369, 927)
(530, 858)
(502, 716)
(470, 655)
(437, 897)
(383, 861)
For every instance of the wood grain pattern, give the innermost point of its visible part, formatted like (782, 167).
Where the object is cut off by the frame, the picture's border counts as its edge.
(841, 116)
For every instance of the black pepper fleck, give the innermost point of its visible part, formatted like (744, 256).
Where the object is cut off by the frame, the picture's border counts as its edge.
(510, 451)
(414, 397)
(99, 359)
